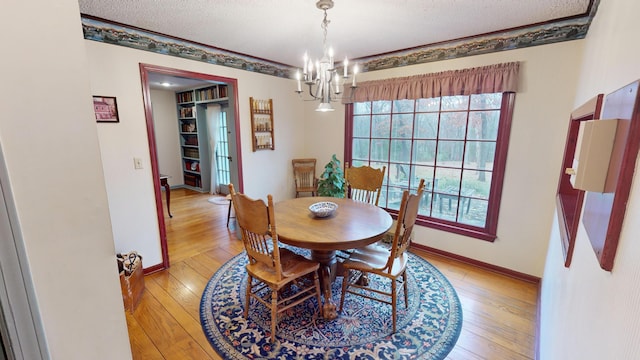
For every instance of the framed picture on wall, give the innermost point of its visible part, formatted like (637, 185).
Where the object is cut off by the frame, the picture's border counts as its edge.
(106, 109)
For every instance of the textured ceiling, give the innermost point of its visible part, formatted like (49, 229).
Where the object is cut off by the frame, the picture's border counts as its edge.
(282, 30)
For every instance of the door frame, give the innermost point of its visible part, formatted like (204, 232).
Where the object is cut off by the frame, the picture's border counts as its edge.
(145, 70)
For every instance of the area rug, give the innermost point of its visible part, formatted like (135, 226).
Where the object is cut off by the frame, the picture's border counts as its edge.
(219, 200)
(427, 329)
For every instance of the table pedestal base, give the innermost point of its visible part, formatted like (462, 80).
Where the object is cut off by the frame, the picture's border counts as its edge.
(328, 272)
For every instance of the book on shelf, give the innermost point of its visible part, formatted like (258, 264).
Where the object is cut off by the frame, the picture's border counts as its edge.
(187, 112)
(185, 97)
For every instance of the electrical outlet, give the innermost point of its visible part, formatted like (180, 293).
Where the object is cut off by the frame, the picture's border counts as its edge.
(137, 163)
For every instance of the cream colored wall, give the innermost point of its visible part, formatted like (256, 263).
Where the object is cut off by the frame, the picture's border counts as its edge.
(115, 72)
(49, 139)
(546, 91)
(586, 312)
(167, 135)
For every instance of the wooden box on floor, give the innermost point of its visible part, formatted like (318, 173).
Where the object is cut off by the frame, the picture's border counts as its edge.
(132, 287)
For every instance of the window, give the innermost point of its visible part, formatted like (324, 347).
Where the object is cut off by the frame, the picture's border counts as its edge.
(457, 144)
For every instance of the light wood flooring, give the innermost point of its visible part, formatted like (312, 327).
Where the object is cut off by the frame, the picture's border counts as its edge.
(499, 312)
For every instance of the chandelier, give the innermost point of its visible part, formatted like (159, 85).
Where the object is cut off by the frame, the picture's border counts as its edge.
(323, 79)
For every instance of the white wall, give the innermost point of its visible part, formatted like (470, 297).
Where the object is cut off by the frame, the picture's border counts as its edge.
(548, 75)
(167, 135)
(49, 139)
(115, 72)
(586, 312)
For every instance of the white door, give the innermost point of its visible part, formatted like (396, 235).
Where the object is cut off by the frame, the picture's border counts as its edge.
(226, 152)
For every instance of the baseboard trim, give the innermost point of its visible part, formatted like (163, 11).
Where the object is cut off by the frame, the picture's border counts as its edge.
(480, 264)
(538, 320)
(154, 268)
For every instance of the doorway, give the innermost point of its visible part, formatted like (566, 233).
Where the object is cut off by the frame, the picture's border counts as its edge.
(233, 155)
(226, 172)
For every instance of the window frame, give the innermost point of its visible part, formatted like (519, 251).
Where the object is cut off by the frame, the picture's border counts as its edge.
(489, 232)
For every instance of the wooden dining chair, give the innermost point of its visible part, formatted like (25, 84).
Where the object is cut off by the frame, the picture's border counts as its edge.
(388, 263)
(304, 175)
(364, 183)
(270, 268)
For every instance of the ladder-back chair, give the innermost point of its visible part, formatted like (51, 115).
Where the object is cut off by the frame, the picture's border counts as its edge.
(304, 175)
(388, 263)
(271, 268)
(364, 183)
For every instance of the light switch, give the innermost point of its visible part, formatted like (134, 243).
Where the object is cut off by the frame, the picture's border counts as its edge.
(137, 163)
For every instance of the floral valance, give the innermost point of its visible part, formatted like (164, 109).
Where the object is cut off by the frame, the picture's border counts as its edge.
(485, 79)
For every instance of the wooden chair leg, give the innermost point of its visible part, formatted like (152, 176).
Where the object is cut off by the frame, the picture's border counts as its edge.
(406, 289)
(247, 296)
(274, 313)
(345, 279)
(394, 303)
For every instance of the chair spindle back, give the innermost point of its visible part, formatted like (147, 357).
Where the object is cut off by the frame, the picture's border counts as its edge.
(257, 224)
(404, 226)
(364, 183)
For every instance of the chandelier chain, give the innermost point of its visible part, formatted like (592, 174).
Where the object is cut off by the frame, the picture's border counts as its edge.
(325, 26)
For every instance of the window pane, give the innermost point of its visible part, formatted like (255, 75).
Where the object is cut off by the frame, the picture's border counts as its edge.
(361, 126)
(455, 103)
(383, 198)
(424, 152)
(476, 183)
(401, 151)
(447, 180)
(450, 153)
(379, 150)
(402, 126)
(362, 108)
(453, 125)
(426, 203)
(382, 107)
(381, 126)
(360, 149)
(479, 155)
(483, 125)
(399, 175)
(444, 207)
(403, 106)
(394, 198)
(426, 126)
(431, 104)
(422, 172)
(477, 213)
(486, 101)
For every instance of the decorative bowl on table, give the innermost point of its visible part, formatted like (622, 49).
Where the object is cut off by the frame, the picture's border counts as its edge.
(323, 208)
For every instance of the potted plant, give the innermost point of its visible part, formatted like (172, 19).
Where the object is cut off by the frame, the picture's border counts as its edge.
(332, 182)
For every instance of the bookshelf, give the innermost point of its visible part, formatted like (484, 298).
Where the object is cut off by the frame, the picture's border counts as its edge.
(192, 126)
(262, 124)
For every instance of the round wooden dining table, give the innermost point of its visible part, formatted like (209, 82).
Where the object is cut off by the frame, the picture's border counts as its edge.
(354, 224)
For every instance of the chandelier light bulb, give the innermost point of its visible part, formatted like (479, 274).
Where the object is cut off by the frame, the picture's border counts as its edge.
(346, 63)
(306, 58)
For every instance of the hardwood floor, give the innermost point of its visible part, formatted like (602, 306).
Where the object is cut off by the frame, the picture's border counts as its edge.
(499, 312)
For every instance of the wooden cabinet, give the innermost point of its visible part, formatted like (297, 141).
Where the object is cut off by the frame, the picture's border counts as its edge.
(262, 124)
(569, 200)
(194, 142)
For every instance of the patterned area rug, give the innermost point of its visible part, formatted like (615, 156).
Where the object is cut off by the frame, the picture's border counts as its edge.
(427, 329)
(219, 200)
